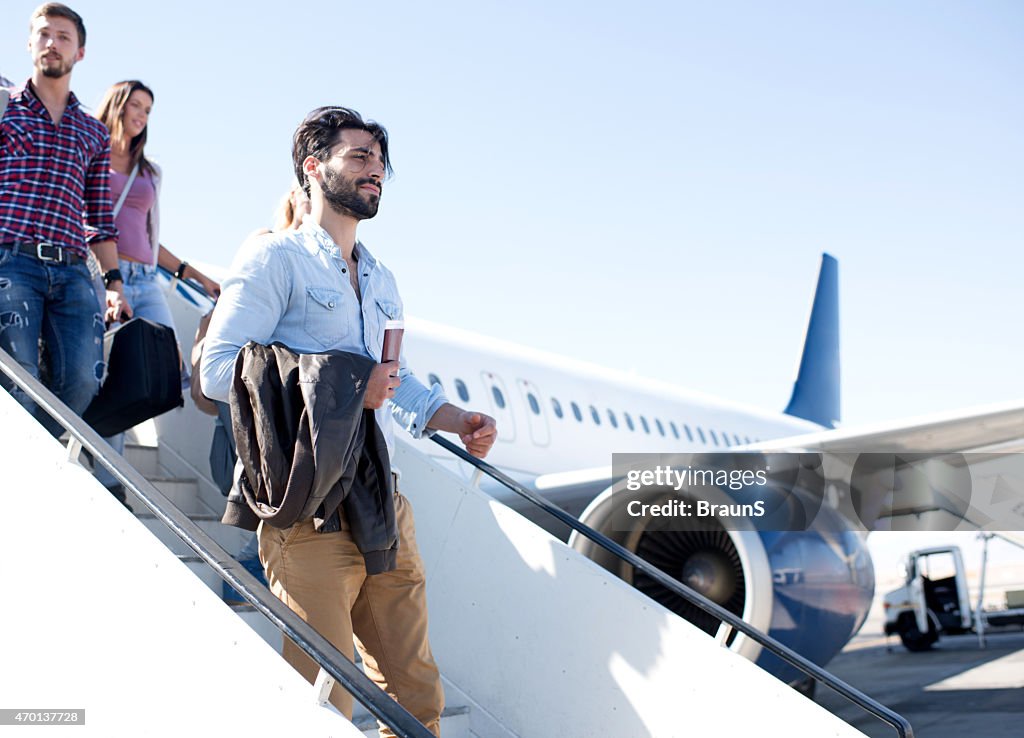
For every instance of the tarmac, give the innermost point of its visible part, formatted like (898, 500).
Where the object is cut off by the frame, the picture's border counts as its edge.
(954, 690)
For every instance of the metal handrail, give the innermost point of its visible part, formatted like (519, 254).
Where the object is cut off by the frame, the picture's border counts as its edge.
(330, 659)
(883, 713)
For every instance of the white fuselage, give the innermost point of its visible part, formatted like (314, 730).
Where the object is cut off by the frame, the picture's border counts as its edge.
(525, 389)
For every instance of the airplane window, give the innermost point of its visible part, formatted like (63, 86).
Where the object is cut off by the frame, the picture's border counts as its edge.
(557, 407)
(460, 387)
(661, 428)
(672, 425)
(737, 439)
(499, 399)
(576, 411)
(714, 438)
(700, 432)
(643, 423)
(534, 405)
(595, 415)
(725, 437)
(747, 439)
(612, 419)
(434, 379)
(629, 420)
(689, 435)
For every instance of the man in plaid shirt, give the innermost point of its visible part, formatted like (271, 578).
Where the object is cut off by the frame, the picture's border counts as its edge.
(54, 200)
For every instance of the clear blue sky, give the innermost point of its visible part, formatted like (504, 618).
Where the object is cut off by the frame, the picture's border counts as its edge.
(664, 175)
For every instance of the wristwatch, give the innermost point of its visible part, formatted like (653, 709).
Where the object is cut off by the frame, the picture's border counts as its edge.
(114, 275)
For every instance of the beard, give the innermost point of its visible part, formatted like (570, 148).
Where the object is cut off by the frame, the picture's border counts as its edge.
(55, 67)
(345, 197)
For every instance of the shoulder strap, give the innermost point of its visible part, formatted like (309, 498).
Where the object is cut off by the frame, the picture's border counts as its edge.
(124, 192)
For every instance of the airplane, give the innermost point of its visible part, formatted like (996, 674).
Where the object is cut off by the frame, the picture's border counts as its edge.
(561, 420)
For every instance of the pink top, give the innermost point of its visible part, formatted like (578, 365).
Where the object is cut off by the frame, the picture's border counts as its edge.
(133, 240)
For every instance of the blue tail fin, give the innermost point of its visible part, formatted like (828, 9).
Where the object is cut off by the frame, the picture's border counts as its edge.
(816, 390)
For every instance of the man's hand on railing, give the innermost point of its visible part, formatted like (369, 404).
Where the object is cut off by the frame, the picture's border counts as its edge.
(476, 430)
(480, 433)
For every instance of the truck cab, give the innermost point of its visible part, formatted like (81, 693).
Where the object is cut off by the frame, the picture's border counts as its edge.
(932, 600)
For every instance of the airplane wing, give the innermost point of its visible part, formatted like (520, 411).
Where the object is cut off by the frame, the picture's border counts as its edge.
(960, 470)
(990, 428)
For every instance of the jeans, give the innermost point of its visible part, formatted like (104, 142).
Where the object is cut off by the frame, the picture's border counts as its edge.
(144, 293)
(56, 303)
(148, 301)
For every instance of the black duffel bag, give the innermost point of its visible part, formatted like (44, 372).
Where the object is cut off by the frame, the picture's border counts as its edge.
(143, 377)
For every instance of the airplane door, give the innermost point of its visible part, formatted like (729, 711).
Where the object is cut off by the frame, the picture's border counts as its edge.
(501, 406)
(536, 418)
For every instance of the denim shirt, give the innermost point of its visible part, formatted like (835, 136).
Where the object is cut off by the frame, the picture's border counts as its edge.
(294, 287)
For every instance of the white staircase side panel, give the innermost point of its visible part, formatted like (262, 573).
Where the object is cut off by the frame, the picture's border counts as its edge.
(548, 643)
(100, 616)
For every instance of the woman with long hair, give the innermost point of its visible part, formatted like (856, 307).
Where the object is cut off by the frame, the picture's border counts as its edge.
(125, 112)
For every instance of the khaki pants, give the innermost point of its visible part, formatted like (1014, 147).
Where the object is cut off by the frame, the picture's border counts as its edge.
(322, 578)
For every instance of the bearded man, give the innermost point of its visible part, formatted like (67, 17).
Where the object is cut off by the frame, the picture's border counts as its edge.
(55, 167)
(318, 290)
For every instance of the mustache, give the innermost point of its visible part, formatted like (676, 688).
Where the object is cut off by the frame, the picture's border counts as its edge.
(367, 180)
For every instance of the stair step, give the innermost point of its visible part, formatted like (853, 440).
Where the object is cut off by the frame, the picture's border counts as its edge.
(258, 622)
(184, 493)
(454, 722)
(146, 459)
(230, 538)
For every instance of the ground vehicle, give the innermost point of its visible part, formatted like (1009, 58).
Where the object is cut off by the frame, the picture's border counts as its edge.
(935, 600)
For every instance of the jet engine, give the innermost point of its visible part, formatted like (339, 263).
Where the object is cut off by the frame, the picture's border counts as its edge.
(800, 572)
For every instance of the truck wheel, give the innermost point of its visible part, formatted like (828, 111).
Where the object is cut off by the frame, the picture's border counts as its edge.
(912, 637)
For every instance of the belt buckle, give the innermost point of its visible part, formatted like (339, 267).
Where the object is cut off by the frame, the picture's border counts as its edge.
(49, 245)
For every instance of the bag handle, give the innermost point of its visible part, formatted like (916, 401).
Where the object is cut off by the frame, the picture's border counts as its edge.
(124, 192)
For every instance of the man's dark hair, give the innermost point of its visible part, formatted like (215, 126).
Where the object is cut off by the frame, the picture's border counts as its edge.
(320, 131)
(59, 10)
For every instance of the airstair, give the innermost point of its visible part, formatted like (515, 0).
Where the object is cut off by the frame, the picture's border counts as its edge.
(197, 497)
(117, 615)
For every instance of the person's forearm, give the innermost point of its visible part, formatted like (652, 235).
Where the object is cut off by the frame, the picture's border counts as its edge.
(448, 418)
(170, 262)
(167, 260)
(476, 430)
(106, 254)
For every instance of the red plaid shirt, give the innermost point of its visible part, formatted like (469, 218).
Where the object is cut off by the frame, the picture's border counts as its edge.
(54, 180)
